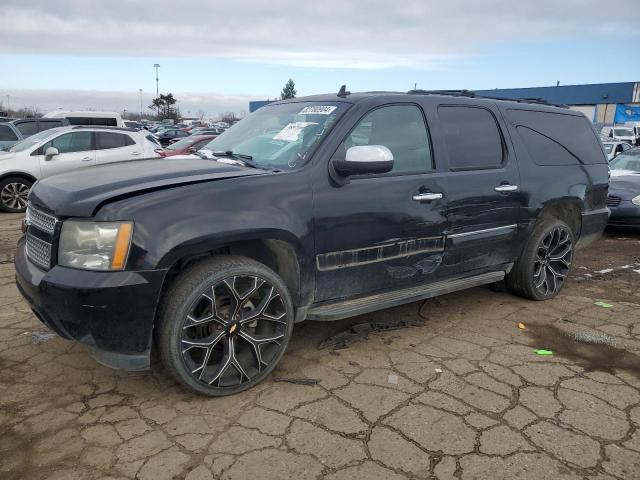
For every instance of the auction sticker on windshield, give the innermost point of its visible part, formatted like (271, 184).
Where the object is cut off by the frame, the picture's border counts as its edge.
(318, 110)
(291, 132)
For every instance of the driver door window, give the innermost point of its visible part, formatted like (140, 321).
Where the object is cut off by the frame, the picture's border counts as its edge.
(75, 150)
(70, 142)
(400, 128)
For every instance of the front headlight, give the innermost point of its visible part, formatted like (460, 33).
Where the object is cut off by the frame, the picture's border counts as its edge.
(94, 245)
(636, 200)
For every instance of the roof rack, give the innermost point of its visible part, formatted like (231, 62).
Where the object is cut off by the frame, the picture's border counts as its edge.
(453, 93)
(472, 94)
(106, 127)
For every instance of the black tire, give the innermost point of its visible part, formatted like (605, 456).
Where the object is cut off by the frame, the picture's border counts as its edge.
(545, 263)
(211, 349)
(13, 194)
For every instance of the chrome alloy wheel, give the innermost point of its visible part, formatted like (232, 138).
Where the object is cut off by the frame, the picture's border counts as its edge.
(552, 261)
(233, 331)
(14, 195)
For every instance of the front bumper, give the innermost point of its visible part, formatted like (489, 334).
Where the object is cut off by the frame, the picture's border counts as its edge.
(626, 214)
(112, 313)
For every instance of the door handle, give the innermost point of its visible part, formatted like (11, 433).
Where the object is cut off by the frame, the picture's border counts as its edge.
(87, 159)
(506, 188)
(426, 197)
(135, 153)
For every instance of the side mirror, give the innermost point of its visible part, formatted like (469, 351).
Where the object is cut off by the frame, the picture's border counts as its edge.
(51, 152)
(364, 159)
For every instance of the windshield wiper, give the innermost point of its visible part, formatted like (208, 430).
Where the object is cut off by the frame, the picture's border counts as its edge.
(245, 159)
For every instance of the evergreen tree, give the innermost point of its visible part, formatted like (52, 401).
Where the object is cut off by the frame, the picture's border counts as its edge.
(289, 90)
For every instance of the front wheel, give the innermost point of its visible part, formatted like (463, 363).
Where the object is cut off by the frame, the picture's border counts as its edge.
(224, 324)
(14, 192)
(541, 270)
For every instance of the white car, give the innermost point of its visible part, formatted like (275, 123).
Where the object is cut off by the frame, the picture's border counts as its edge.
(613, 149)
(59, 150)
(621, 134)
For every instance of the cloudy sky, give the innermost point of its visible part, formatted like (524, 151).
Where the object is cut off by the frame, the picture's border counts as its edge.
(217, 55)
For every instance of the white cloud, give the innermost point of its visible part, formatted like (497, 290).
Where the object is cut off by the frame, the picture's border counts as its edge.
(365, 34)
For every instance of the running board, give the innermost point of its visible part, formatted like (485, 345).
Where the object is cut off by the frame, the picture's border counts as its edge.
(358, 306)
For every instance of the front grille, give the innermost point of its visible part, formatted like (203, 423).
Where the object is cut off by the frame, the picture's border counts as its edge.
(613, 201)
(40, 220)
(38, 251)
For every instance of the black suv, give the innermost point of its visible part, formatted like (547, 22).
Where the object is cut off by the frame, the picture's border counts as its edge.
(314, 208)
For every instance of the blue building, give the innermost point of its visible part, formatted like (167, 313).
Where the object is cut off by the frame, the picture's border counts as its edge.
(606, 103)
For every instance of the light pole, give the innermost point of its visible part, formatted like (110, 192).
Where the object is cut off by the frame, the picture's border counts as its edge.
(157, 66)
(8, 105)
(140, 90)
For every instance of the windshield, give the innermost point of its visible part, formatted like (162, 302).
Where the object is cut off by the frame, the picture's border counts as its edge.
(622, 132)
(279, 136)
(626, 162)
(34, 140)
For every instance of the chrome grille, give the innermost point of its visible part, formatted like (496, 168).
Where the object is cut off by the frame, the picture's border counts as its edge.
(613, 201)
(40, 220)
(38, 251)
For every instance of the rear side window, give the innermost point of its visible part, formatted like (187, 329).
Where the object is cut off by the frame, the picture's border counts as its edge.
(472, 137)
(7, 135)
(27, 128)
(402, 130)
(556, 138)
(106, 140)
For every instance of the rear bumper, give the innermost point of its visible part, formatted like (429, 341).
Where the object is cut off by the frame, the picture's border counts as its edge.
(593, 224)
(112, 313)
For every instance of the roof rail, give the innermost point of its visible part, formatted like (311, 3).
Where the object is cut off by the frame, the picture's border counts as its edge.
(472, 94)
(106, 127)
(453, 93)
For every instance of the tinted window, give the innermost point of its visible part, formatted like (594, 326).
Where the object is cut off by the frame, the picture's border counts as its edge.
(402, 130)
(105, 140)
(6, 134)
(27, 128)
(70, 142)
(103, 122)
(47, 124)
(472, 137)
(557, 138)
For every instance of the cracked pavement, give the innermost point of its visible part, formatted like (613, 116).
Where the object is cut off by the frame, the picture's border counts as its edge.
(462, 397)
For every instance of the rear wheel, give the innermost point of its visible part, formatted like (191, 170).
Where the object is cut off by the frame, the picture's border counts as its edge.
(14, 192)
(224, 324)
(541, 270)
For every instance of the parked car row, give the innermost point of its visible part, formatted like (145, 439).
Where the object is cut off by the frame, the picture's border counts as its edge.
(62, 149)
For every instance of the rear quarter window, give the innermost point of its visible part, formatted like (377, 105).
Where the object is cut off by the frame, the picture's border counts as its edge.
(554, 139)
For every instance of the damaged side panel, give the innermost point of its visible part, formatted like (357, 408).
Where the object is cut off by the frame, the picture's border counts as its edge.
(379, 253)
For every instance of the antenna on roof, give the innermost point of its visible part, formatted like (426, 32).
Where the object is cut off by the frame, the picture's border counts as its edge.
(343, 92)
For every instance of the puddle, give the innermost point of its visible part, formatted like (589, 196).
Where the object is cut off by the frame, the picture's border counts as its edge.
(593, 350)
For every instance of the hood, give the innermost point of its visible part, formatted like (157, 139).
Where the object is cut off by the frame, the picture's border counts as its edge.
(80, 192)
(4, 155)
(625, 186)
